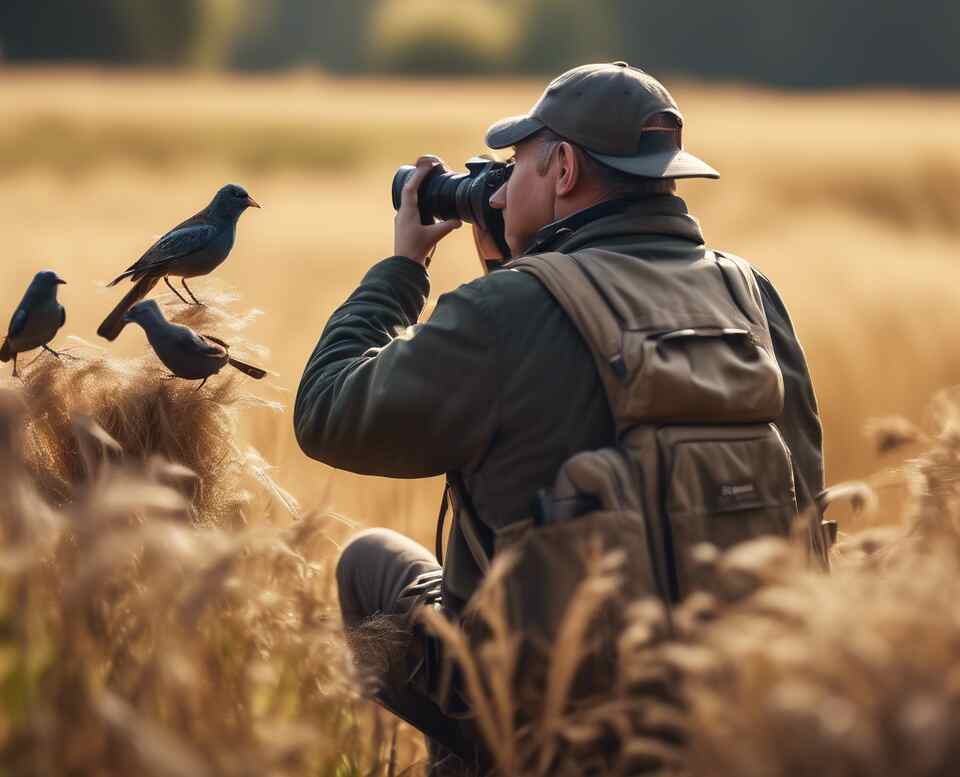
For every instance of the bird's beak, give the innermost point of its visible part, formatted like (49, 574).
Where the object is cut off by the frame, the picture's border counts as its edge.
(127, 319)
(252, 203)
(61, 281)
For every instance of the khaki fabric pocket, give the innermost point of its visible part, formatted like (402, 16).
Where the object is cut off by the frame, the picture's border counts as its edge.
(725, 489)
(549, 563)
(711, 374)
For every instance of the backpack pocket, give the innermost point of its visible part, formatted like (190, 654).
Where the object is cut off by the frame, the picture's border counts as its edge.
(707, 373)
(594, 503)
(722, 485)
(550, 563)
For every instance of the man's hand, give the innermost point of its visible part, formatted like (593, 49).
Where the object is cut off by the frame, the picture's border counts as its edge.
(412, 239)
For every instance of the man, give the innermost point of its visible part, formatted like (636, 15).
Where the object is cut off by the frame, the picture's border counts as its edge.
(498, 388)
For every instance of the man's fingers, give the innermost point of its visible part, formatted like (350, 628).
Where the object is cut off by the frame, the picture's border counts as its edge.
(408, 197)
(411, 238)
(425, 166)
(441, 229)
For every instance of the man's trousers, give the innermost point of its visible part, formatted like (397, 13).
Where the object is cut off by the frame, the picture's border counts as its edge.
(373, 572)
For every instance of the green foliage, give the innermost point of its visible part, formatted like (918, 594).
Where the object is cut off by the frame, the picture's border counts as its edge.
(62, 30)
(422, 36)
(283, 33)
(560, 34)
(124, 31)
(159, 33)
(816, 43)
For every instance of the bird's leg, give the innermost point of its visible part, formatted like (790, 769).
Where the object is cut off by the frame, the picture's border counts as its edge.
(195, 300)
(166, 280)
(201, 383)
(15, 373)
(60, 354)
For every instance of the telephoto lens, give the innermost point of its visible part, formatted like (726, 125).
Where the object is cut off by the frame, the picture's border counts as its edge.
(446, 195)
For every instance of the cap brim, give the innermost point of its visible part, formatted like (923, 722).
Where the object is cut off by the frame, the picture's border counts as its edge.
(510, 131)
(673, 163)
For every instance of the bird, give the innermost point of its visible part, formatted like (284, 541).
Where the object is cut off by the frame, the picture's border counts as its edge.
(185, 353)
(36, 320)
(193, 248)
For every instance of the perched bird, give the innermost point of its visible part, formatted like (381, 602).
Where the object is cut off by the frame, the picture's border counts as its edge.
(36, 320)
(185, 353)
(195, 247)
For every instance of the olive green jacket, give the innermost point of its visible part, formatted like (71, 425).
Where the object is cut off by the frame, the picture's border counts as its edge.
(498, 386)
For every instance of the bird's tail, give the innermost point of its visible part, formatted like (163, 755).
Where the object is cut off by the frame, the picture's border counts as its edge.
(5, 354)
(119, 278)
(247, 369)
(113, 324)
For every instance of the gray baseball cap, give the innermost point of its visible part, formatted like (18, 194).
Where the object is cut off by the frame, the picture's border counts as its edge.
(608, 110)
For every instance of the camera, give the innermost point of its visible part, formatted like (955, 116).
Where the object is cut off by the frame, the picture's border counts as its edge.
(448, 195)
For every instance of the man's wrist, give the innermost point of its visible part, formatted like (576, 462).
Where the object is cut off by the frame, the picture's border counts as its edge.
(406, 260)
(403, 268)
(422, 264)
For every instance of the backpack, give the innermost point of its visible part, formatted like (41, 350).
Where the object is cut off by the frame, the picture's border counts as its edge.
(687, 364)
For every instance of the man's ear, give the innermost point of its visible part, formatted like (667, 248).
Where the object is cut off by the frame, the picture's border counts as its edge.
(569, 170)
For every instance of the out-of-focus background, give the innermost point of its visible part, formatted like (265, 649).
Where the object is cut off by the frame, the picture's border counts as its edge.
(833, 124)
(779, 42)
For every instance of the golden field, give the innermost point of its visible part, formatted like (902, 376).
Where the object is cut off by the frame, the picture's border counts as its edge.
(848, 201)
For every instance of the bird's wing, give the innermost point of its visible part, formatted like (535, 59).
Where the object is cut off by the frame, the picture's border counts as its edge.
(176, 243)
(216, 340)
(18, 322)
(209, 347)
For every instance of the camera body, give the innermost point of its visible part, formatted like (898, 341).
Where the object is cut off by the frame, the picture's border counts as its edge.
(448, 195)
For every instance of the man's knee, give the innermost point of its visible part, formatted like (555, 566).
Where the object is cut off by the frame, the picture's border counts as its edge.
(372, 570)
(362, 553)
(362, 550)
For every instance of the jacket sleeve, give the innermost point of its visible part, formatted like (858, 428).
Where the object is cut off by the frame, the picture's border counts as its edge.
(382, 395)
(800, 422)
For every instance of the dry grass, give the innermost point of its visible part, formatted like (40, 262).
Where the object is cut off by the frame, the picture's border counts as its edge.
(154, 622)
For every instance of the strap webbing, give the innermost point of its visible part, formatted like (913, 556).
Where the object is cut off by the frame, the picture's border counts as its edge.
(441, 519)
(463, 518)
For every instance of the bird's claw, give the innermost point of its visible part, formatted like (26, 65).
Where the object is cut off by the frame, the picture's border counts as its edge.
(61, 355)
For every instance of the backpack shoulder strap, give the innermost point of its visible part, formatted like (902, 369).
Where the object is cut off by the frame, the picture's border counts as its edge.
(569, 281)
(742, 284)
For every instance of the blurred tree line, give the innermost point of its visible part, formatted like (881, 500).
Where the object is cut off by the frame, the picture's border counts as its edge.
(784, 42)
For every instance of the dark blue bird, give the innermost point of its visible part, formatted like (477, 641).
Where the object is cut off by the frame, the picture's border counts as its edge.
(196, 247)
(36, 319)
(185, 353)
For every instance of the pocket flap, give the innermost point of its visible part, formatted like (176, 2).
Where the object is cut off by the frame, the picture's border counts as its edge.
(705, 374)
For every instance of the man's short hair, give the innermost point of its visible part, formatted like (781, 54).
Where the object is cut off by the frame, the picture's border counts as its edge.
(616, 182)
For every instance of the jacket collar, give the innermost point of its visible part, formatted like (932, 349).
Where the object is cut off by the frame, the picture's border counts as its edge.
(615, 220)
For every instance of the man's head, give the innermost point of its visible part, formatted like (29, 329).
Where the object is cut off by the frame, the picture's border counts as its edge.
(598, 132)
